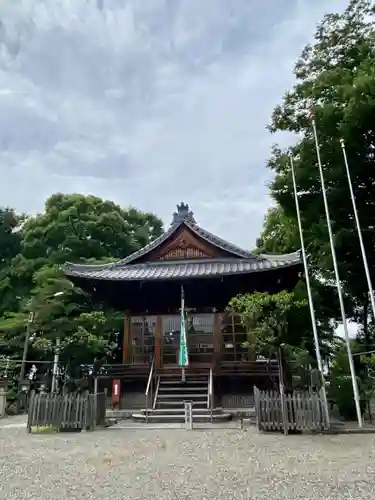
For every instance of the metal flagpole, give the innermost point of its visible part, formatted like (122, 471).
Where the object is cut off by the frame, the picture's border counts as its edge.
(359, 231)
(183, 375)
(308, 286)
(337, 276)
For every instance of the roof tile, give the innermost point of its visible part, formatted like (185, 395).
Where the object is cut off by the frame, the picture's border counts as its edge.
(184, 269)
(241, 261)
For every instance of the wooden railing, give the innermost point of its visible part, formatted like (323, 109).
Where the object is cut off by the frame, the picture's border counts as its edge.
(300, 411)
(150, 387)
(253, 368)
(215, 362)
(210, 399)
(128, 370)
(210, 335)
(68, 411)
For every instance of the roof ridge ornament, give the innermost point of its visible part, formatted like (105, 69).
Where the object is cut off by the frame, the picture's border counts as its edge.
(183, 214)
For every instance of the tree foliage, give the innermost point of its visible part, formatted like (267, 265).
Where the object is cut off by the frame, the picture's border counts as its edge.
(335, 76)
(280, 232)
(269, 319)
(278, 326)
(340, 380)
(76, 228)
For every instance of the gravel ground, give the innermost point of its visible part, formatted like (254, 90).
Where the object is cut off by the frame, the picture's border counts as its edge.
(133, 463)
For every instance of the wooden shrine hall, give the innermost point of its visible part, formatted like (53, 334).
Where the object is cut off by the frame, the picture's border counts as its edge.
(146, 286)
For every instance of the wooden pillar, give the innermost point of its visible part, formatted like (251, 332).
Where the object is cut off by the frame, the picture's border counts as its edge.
(217, 339)
(158, 342)
(126, 344)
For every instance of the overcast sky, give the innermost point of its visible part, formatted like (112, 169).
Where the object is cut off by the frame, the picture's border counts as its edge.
(148, 102)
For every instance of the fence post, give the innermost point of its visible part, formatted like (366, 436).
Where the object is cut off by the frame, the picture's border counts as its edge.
(282, 395)
(3, 396)
(30, 412)
(322, 404)
(188, 415)
(106, 396)
(257, 406)
(95, 401)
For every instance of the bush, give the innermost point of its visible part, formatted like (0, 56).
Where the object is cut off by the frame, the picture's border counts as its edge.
(341, 393)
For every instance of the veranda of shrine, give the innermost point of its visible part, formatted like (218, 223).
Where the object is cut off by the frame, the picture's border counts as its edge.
(147, 287)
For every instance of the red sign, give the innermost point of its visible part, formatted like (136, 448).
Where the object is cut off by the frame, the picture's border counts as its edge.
(116, 391)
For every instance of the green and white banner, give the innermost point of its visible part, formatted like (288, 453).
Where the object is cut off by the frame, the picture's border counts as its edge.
(183, 358)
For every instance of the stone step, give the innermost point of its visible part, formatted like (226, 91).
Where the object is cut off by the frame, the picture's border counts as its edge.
(183, 396)
(180, 418)
(171, 404)
(188, 380)
(180, 388)
(183, 386)
(186, 383)
(180, 411)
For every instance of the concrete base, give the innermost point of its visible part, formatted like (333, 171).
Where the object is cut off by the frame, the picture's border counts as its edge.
(122, 414)
(235, 413)
(3, 403)
(176, 416)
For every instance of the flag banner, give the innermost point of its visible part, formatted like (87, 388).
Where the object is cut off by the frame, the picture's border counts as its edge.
(183, 358)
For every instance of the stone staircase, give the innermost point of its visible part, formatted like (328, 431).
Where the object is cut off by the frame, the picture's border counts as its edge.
(170, 397)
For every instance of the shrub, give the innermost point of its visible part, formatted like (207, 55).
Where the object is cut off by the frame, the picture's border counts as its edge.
(341, 393)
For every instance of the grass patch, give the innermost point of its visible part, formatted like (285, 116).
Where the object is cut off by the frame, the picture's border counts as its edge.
(43, 429)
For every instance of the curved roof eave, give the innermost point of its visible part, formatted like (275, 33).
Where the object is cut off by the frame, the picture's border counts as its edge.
(189, 222)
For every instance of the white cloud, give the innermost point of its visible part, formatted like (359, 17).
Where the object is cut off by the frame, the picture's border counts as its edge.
(352, 329)
(148, 102)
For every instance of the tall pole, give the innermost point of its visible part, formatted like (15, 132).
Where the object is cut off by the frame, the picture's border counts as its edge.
(55, 364)
(309, 294)
(26, 346)
(359, 231)
(183, 374)
(337, 276)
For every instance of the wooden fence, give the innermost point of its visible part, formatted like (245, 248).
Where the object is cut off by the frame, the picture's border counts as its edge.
(70, 411)
(300, 411)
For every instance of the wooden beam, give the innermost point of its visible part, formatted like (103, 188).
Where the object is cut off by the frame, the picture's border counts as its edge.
(158, 342)
(217, 339)
(127, 340)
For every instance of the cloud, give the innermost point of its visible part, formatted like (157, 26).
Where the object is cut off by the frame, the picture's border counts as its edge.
(352, 329)
(148, 103)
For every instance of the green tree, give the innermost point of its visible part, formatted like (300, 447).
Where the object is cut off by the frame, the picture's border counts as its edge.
(10, 240)
(340, 380)
(280, 235)
(269, 319)
(75, 228)
(277, 325)
(335, 76)
(280, 232)
(10, 245)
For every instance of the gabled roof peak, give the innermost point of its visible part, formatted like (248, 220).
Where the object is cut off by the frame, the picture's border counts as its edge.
(231, 256)
(183, 214)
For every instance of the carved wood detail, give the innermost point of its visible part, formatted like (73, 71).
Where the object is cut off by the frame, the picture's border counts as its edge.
(183, 253)
(185, 246)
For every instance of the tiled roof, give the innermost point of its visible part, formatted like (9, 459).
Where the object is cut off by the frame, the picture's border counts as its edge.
(181, 269)
(206, 235)
(239, 261)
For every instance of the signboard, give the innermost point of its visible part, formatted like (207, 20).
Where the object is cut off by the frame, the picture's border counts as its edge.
(116, 391)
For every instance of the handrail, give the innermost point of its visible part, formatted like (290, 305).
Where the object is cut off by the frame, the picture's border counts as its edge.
(149, 385)
(150, 376)
(156, 392)
(210, 391)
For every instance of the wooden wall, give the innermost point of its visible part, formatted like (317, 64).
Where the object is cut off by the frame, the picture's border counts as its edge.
(144, 337)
